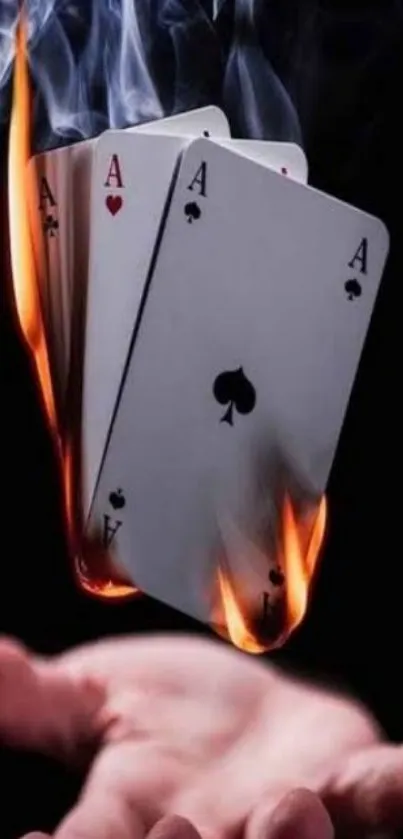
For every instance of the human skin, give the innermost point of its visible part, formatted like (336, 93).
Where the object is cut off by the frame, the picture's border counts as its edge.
(181, 736)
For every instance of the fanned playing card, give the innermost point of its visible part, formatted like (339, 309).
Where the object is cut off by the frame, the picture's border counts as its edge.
(132, 174)
(54, 255)
(286, 158)
(254, 320)
(64, 185)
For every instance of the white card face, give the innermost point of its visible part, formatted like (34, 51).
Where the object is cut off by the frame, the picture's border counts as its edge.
(207, 121)
(286, 158)
(248, 345)
(131, 177)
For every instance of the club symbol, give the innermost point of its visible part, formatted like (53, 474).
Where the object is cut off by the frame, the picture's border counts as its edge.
(353, 289)
(276, 577)
(192, 211)
(206, 133)
(50, 225)
(234, 389)
(117, 499)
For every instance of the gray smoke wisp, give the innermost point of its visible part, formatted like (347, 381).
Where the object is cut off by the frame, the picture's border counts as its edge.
(256, 97)
(112, 63)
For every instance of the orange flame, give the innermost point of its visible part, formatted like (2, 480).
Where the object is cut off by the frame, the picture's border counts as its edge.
(21, 193)
(27, 263)
(298, 567)
(236, 623)
(25, 240)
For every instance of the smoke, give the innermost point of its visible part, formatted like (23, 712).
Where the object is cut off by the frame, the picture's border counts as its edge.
(258, 100)
(89, 67)
(111, 63)
(7, 28)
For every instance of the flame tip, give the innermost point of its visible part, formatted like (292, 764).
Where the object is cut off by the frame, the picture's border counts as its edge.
(26, 292)
(280, 617)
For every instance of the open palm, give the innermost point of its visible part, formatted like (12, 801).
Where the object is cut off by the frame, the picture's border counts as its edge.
(175, 726)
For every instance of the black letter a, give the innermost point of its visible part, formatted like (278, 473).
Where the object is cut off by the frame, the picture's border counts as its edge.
(45, 194)
(200, 179)
(360, 256)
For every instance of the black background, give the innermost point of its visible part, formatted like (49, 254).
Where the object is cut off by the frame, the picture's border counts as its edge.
(349, 99)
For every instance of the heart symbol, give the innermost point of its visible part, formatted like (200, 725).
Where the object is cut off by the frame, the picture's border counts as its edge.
(113, 203)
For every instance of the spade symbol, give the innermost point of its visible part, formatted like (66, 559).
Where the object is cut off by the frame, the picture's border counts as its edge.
(353, 289)
(192, 211)
(117, 499)
(234, 389)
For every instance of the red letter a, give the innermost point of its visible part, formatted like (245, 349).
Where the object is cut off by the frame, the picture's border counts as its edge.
(114, 173)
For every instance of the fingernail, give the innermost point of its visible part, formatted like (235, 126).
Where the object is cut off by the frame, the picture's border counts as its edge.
(300, 815)
(173, 827)
(36, 835)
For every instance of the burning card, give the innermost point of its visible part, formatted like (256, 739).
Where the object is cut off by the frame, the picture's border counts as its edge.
(202, 326)
(247, 345)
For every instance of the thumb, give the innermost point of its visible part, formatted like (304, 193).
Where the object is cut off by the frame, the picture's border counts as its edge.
(36, 835)
(299, 813)
(367, 792)
(42, 708)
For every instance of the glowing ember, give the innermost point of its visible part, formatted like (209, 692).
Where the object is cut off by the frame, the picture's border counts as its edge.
(250, 632)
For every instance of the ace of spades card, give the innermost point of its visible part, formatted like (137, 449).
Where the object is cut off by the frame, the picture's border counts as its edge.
(251, 327)
(132, 177)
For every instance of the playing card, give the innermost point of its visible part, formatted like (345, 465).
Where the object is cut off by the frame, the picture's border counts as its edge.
(130, 188)
(63, 187)
(53, 256)
(208, 121)
(131, 178)
(246, 353)
(286, 158)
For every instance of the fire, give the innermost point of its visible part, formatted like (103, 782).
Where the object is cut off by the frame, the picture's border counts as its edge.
(299, 569)
(27, 261)
(238, 631)
(95, 570)
(298, 566)
(21, 194)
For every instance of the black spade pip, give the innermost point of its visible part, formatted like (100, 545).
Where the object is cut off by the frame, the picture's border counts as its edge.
(117, 499)
(192, 211)
(234, 389)
(353, 289)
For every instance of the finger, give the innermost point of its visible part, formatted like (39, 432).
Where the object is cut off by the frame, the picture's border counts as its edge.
(367, 792)
(173, 827)
(42, 708)
(36, 835)
(125, 796)
(102, 815)
(299, 815)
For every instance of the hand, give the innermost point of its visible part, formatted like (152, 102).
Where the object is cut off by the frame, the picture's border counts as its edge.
(182, 734)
